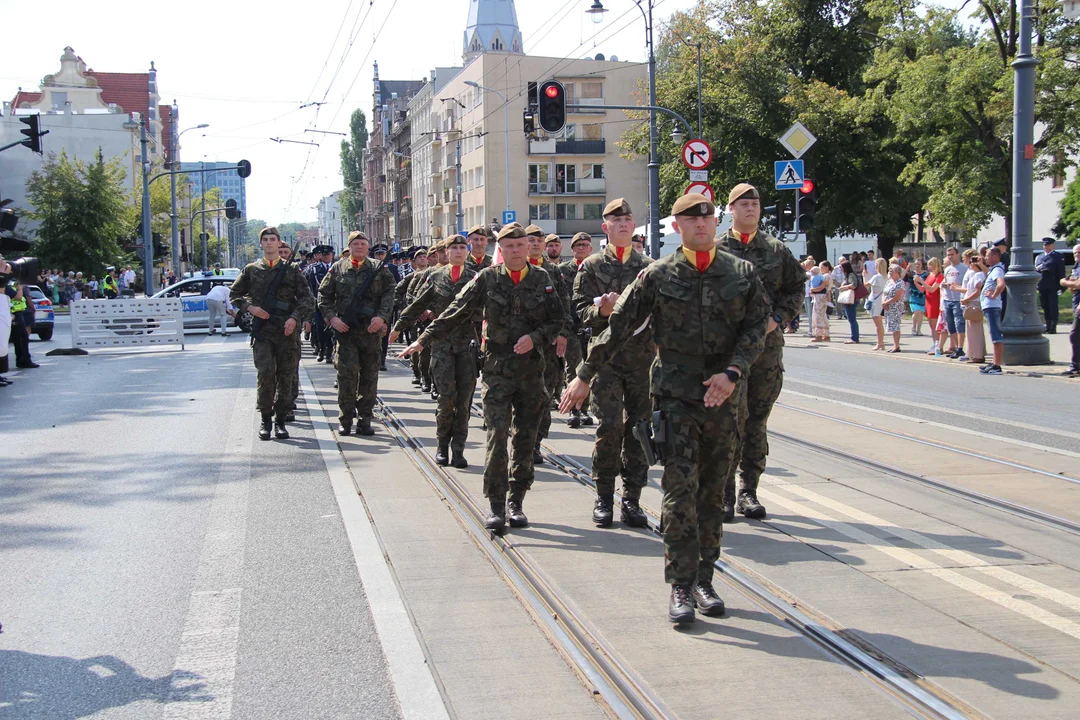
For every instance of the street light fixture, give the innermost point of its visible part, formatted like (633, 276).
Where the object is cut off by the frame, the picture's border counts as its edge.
(597, 11)
(506, 129)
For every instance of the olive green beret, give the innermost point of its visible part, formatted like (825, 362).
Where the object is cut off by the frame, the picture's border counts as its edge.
(742, 190)
(513, 230)
(693, 205)
(617, 208)
(581, 237)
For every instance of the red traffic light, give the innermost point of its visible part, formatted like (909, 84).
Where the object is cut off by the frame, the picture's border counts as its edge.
(807, 186)
(552, 91)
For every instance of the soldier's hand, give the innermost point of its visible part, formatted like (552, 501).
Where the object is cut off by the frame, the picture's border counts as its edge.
(307, 327)
(376, 324)
(290, 326)
(607, 303)
(560, 346)
(339, 325)
(772, 326)
(258, 312)
(720, 389)
(523, 345)
(394, 336)
(414, 348)
(574, 395)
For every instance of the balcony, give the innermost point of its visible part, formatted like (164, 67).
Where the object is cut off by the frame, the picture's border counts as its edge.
(581, 147)
(578, 187)
(448, 197)
(573, 227)
(542, 147)
(436, 140)
(434, 201)
(435, 169)
(592, 186)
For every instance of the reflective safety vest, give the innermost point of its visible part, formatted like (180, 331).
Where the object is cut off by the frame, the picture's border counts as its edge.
(19, 305)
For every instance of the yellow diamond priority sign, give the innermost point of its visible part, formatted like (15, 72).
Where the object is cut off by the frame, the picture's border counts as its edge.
(797, 139)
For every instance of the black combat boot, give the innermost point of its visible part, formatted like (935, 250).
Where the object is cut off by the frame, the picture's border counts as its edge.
(319, 357)
(442, 455)
(364, 427)
(632, 514)
(382, 365)
(459, 460)
(514, 512)
(729, 508)
(603, 513)
(280, 432)
(708, 602)
(434, 393)
(425, 386)
(416, 379)
(267, 425)
(575, 419)
(290, 416)
(538, 458)
(345, 426)
(586, 419)
(497, 519)
(681, 606)
(749, 506)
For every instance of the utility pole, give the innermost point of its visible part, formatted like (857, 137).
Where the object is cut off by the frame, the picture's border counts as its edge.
(460, 212)
(1024, 342)
(203, 236)
(147, 233)
(173, 221)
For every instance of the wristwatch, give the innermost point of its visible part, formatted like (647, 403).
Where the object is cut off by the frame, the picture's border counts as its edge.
(776, 317)
(733, 375)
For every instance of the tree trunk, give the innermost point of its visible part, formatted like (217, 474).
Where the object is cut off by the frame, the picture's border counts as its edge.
(816, 245)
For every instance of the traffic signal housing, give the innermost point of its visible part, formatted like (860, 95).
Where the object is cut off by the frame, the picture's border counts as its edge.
(160, 248)
(33, 132)
(808, 196)
(552, 106)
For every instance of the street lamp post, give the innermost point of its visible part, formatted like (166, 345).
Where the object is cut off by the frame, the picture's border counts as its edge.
(172, 213)
(597, 11)
(147, 232)
(506, 128)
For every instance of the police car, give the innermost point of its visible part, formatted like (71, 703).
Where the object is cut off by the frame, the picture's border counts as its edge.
(44, 318)
(192, 293)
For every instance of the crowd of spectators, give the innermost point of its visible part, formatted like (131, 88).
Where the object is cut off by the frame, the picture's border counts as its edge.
(65, 288)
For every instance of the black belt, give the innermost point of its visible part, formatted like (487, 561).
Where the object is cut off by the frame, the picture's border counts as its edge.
(699, 362)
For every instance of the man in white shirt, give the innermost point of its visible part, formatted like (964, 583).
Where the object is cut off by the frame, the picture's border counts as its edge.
(991, 303)
(218, 306)
(129, 278)
(954, 290)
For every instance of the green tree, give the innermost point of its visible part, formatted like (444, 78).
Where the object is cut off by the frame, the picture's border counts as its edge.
(217, 247)
(352, 169)
(83, 213)
(1068, 225)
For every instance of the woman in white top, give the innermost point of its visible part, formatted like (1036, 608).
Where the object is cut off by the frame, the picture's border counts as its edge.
(874, 300)
(973, 316)
(5, 324)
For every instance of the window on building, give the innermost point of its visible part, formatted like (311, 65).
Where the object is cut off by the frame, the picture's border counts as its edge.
(565, 178)
(539, 212)
(539, 177)
(565, 211)
(569, 132)
(497, 44)
(592, 90)
(570, 93)
(1058, 180)
(480, 176)
(592, 171)
(476, 46)
(58, 99)
(592, 211)
(592, 131)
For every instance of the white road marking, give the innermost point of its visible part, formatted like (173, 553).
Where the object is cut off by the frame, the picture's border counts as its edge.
(208, 645)
(414, 684)
(1028, 610)
(931, 423)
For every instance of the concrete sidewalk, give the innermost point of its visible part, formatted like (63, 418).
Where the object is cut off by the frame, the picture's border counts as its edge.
(916, 347)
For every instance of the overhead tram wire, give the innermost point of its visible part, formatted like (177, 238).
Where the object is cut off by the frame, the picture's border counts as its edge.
(371, 47)
(354, 33)
(326, 62)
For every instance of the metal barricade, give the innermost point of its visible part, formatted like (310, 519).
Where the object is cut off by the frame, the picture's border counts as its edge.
(117, 323)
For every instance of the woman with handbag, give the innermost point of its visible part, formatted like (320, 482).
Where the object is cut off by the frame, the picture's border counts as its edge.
(874, 301)
(973, 314)
(846, 299)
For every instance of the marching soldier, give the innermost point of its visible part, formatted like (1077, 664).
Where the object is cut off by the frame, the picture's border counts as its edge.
(285, 253)
(708, 321)
(784, 281)
(523, 314)
(436, 259)
(554, 353)
(322, 335)
(453, 360)
(417, 262)
(357, 298)
(478, 242)
(379, 254)
(279, 300)
(620, 389)
(578, 345)
(638, 242)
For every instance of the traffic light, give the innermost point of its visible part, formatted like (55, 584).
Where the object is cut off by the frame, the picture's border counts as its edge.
(243, 168)
(780, 216)
(183, 245)
(33, 132)
(160, 248)
(807, 205)
(231, 210)
(552, 106)
(529, 121)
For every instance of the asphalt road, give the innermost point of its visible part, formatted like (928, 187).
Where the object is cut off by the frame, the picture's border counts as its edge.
(159, 561)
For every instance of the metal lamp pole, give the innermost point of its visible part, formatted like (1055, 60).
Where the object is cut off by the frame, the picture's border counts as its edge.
(506, 128)
(147, 232)
(646, 7)
(1024, 341)
(172, 213)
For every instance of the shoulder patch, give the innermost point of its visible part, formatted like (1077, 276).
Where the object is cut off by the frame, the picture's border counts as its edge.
(549, 289)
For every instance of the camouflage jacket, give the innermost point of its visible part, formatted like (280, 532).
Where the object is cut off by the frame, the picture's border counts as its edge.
(401, 290)
(782, 278)
(436, 296)
(340, 285)
(554, 271)
(599, 274)
(470, 262)
(532, 307)
(292, 296)
(702, 322)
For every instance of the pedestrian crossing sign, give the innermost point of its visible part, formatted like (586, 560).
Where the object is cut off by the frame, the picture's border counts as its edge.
(789, 174)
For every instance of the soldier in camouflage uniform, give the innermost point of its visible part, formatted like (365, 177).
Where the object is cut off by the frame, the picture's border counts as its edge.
(276, 351)
(784, 282)
(285, 253)
(453, 360)
(401, 294)
(708, 321)
(478, 241)
(359, 344)
(436, 260)
(620, 389)
(581, 246)
(553, 354)
(523, 314)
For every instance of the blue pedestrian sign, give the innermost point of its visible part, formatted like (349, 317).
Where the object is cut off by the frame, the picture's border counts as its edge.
(509, 216)
(789, 174)
(396, 248)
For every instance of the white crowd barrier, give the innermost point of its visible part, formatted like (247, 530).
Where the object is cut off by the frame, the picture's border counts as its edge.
(116, 323)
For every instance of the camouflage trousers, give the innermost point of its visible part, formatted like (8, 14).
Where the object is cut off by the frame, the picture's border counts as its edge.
(294, 387)
(576, 347)
(620, 399)
(514, 395)
(357, 361)
(552, 378)
(704, 445)
(455, 373)
(762, 388)
(276, 360)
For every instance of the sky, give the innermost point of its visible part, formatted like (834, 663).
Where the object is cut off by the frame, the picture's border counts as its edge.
(246, 67)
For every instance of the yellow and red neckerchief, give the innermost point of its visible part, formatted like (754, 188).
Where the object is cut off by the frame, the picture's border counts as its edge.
(701, 259)
(620, 253)
(517, 275)
(455, 272)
